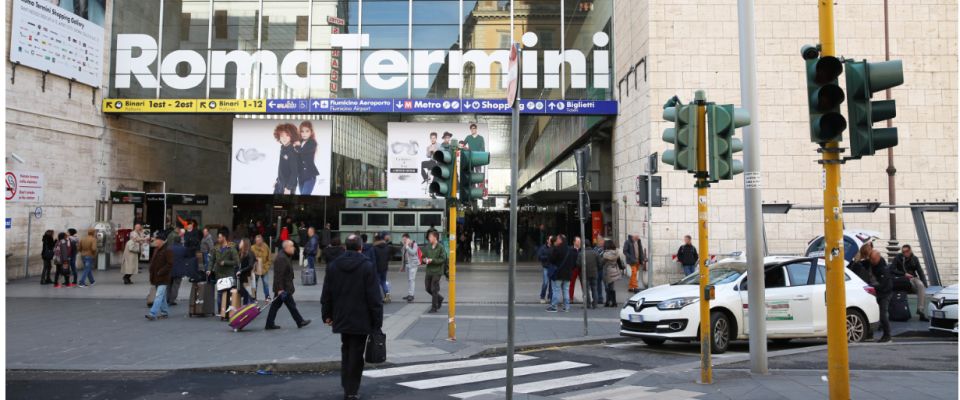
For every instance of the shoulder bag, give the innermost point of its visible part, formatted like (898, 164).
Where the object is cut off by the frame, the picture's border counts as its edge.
(376, 351)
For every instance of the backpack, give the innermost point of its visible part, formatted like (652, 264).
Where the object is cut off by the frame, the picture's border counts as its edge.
(419, 255)
(57, 254)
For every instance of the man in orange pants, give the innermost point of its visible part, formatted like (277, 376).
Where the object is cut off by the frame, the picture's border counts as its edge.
(634, 257)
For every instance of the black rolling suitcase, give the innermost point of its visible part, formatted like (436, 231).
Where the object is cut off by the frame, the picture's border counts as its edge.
(899, 308)
(202, 301)
(308, 277)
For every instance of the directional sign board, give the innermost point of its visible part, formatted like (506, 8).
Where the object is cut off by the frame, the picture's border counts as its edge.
(359, 106)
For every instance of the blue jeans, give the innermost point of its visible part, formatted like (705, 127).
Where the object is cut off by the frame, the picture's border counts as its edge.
(73, 267)
(599, 288)
(546, 290)
(87, 270)
(160, 306)
(206, 261)
(689, 269)
(261, 280)
(306, 187)
(311, 260)
(560, 289)
(383, 282)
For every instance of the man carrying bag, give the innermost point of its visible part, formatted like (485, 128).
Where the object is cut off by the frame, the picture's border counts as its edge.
(352, 305)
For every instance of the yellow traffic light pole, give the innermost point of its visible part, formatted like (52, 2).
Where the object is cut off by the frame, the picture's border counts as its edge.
(837, 357)
(452, 260)
(706, 368)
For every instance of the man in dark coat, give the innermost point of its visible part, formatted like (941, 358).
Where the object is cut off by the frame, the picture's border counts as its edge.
(906, 267)
(325, 236)
(384, 252)
(564, 258)
(884, 288)
(283, 288)
(687, 256)
(184, 265)
(352, 305)
(161, 266)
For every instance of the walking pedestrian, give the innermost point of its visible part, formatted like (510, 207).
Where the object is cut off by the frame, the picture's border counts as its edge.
(244, 269)
(207, 245)
(590, 290)
(333, 251)
(687, 256)
(88, 254)
(223, 262)
(352, 306)
(884, 290)
(283, 288)
(262, 252)
(435, 258)
(546, 285)
(310, 247)
(906, 266)
(46, 253)
(600, 287)
(325, 235)
(410, 263)
(633, 253)
(575, 270)
(74, 245)
(131, 253)
(161, 266)
(61, 259)
(561, 256)
(184, 265)
(384, 252)
(612, 271)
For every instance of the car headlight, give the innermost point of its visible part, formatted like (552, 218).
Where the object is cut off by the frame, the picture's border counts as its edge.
(677, 303)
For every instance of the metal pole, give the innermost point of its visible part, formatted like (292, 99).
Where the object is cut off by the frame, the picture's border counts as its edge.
(26, 257)
(892, 244)
(581, 159)
(452, 259)
(756, 241)
(514, 199)
(838, 373)
(651, 159)
(706, 367)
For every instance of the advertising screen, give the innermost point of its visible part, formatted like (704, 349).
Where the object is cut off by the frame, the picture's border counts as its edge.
(410, 146)
(284, 157)
(63, 37)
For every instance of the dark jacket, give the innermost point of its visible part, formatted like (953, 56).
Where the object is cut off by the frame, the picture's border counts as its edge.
(184, 261)
(311, 246)
(687, 255)
(229, 257)
(66, 249)
(324, 238)
(884, 277)
(288, 169)
(351, 295)
(283, 273)
(47, 252)
(629, 254)
(593, 261)
(564, 257)
(384, 252)
(902, 266)
(862, 269)
(247, 263)
(308, 167)
(191, 240)
(543, 254)
(369, 253)
(161, 266)
(331, 253)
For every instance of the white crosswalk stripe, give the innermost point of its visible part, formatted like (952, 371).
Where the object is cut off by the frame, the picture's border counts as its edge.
(551, 384)
(491, 375)
(442, 366)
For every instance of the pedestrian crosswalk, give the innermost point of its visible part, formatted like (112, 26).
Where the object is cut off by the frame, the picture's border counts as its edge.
(465, 379)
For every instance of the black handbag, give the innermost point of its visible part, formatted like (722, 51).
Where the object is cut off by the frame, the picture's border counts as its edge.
(376, 351)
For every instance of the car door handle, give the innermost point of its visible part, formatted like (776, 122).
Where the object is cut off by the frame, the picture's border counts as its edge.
(801, 297)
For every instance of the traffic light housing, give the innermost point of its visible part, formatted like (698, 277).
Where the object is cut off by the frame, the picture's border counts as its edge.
(442, 185)
(722, 122)
(470, 180)
(824, 96)
(863, 80)
(683, 137)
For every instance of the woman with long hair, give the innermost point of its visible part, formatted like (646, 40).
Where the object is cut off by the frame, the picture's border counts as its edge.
(247, 261)
(61, 258)
(613, 268)
(47, 254)
(307, 149)
(289, 165)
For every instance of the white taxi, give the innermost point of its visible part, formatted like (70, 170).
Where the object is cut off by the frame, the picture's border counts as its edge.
(795, 303)
(943, 310)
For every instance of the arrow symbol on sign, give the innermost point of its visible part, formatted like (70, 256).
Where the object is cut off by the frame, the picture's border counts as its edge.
(270, 103)
(316, 103)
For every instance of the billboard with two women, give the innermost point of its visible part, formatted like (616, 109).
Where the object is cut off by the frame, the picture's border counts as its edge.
(282, 157)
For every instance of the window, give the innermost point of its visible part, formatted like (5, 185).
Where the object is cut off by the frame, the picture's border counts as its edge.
(404, 219)
(849, 248)
(505, 40)
(185, 27)
(378, 219)
(799, 274)
(302, 25)
(352, 219)
(774, 278)
(821, 277)
(220, 24)
(430, 220)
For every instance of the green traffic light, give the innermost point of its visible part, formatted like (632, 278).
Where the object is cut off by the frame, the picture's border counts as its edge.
(722, 122)
(683, 154)
(863, 80)
(824, 97)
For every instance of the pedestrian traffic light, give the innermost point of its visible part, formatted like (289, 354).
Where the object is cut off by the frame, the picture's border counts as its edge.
(682, 136)
(863, 80)
(722, 122)
(442, 185)
(824, 96)
(471, 178)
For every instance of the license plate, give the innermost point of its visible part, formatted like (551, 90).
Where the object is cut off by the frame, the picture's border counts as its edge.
(939, 314)
(636, 318)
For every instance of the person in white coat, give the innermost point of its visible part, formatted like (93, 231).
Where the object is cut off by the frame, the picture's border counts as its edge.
(411, 263)
(131, 253)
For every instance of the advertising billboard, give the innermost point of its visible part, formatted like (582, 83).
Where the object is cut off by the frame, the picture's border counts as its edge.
(64, 37)
(284, 157)
(410, 146)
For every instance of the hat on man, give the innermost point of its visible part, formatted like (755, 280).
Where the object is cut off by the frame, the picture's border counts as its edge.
(447, 134)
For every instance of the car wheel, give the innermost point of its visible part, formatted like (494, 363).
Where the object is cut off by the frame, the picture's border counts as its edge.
(856, 326)
(653, 342)
(720, 332)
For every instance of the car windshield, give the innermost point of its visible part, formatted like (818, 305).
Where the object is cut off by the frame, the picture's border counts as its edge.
(719, 274)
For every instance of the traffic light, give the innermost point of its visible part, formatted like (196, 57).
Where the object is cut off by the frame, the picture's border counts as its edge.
(442, 185)
(682, 136)
(722, 122)
(824, 96)
(470, 178)
(863, 80)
